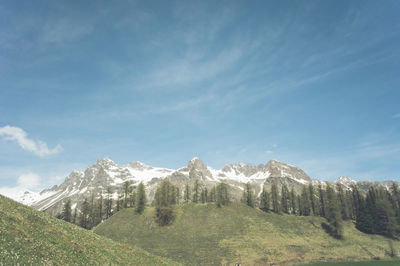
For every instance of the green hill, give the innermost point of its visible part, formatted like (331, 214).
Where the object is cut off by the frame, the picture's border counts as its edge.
(206, 235)
(29, 237)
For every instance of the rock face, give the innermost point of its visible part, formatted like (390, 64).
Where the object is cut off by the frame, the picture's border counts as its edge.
(105, 173)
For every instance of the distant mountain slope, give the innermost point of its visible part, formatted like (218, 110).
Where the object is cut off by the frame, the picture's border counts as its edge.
(106, 173)
(29, 237)
(203, 234)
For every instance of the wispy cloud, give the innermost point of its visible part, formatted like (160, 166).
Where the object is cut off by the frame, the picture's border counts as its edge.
(396, 116)
(21, 137)
(65, 30)
(28, 181)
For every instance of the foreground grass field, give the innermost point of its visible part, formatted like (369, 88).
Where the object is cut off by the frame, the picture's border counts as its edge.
(357, 263)
(29, 237)
(203, 234)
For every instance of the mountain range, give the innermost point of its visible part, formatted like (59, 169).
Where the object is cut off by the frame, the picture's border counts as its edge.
(105, 173)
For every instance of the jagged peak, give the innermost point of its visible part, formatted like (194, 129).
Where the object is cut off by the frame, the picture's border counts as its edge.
(194, 159)
(105, 162)
(345, 179)
(195, 162)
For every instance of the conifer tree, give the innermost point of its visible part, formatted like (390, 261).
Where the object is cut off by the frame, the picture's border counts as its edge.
(274, 197)
(186, 194)
(126, 186)
(84, 215)
(140, 198)
(305, 202)
(335, 227)
(344, 209)
(132, 198)
(222, 194)
(196, 189)
(165, 197)
(92, 211)
(66, 214)
(213, 196)
(265, 201)
(178, 196)
(299, 205)
(248, 196)
(293, 201)
(312, 198)
(100, 209)
(285, 198)
(108, 203)
(74, 216)
(203, 195)
(321, 200)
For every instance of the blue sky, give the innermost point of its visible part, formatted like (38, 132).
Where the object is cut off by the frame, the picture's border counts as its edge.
(311, 83)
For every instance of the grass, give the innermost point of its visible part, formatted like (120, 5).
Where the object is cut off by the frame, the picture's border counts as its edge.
(203, 234)
(29, 237)
(357, 263)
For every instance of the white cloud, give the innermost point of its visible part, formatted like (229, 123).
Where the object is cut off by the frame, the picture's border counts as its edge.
(19, 135)
(29, 181)
(26, 182)
(396, 116)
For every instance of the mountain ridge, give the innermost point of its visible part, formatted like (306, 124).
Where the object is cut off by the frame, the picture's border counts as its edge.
(106, 173)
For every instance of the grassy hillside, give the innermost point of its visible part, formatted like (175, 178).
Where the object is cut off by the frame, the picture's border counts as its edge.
(206, 235)
(31, 237)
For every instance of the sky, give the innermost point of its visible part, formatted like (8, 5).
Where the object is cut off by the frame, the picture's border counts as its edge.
(311, 83)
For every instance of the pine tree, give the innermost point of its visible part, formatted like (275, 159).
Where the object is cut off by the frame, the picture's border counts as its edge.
(140, 198)
(265, 201)
(108, 203)
(293, 201)
(100, 209)
(334, 218)
(126, 187)
(66, 214)
(248, 196)
(321, 200)
(274, 197)
(222, 194)
(178, 196)
(386, 223)
(196, 191)
(344, 209)
(186, 194)
(92, 212)
(305, 202)
(74, 216)
(84, 214)
(165, 197)
(203, 196)
(285, 198)
(213, 195)
(312, 199)
(132, 198)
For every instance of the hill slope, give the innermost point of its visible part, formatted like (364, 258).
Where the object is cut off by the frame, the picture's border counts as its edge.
(206, 235)
(31, 237)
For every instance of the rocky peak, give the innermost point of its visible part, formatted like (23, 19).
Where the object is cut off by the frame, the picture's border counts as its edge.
(105, 163)
(280, 169)
(139, 165)
(345, 180)
(197, 169)
(196, 163)
(240, 168)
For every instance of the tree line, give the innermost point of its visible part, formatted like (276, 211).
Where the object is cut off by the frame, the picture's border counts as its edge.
(377, 212)
(93, 211)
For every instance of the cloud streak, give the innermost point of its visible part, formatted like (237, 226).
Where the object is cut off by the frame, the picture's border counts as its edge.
(37, 147)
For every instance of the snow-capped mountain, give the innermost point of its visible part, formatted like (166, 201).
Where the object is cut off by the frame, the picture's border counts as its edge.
(105, 174)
